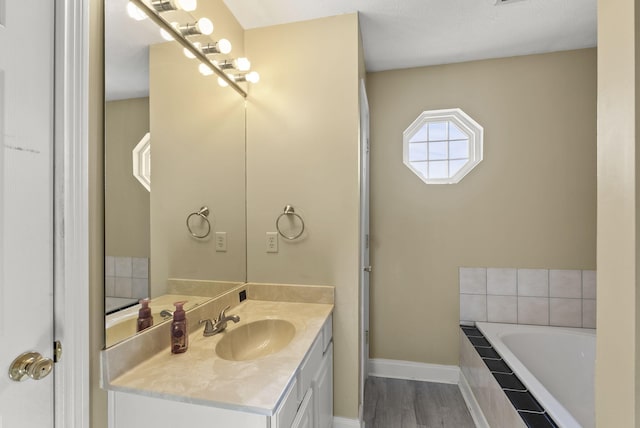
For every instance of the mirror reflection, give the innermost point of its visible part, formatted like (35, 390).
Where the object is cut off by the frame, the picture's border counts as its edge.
(195, 148)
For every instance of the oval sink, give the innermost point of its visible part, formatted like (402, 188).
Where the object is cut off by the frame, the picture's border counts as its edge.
(255, 340)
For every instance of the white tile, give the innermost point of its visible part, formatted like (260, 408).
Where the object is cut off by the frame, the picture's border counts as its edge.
(109, 266)
(502, 309)
(533, 310)
(588, 284)
(533, 282)
(473, 307)
(589, 313)
(140, 267)
(139, 288)
(473, 280)
(501, 281)
(109, 286)
(123, 287)
(565, 312)
(123, 267)
(565, 283)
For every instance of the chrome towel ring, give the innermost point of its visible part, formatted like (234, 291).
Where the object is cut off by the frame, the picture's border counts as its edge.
(203, 213)
(289, 211)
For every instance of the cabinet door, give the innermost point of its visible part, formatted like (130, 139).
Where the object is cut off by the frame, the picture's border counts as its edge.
(304, 418)
(323, 391)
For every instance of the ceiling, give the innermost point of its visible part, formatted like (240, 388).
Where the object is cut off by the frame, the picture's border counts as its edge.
(126, 52)
(396, 33)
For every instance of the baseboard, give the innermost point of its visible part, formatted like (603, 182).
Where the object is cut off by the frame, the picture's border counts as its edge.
(397, 369)
(339, 422)
(472, 403)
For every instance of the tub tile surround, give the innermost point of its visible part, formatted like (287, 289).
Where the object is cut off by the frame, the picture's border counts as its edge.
(133, 365)
(126, 277)
(504, 400)
(557, 297)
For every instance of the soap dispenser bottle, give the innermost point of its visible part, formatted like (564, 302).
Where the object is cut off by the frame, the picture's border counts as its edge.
(179, 333)
(145, 320)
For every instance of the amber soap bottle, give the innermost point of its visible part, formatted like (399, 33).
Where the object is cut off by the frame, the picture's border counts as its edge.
(145, 320)
(179, 333)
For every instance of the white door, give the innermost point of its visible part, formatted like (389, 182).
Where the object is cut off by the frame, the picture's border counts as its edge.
(26, 207)
(364, 236)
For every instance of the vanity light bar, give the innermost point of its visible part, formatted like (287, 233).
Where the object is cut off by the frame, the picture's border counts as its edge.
(168, 5)
(252, 77)
(180, 38)
(222, 46)
(240, 64)
(202, 26)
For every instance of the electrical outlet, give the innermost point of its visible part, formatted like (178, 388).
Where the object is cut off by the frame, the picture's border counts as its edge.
(272, 242)
(221, 241)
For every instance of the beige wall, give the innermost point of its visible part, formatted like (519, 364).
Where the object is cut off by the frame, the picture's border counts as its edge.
(302, 140)
(197, 159)
(126, 200)
(617, 355)
(530, 203)
(98, 397)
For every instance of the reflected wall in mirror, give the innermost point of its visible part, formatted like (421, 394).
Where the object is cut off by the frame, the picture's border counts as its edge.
(197, 133)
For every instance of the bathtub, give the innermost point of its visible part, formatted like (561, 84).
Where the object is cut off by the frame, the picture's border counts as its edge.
(556, 364)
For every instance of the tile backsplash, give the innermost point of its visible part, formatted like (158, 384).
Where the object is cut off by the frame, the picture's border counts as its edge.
(555, 297)
(126, 277)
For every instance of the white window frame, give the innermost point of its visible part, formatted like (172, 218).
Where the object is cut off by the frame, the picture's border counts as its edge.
(142, 161)
(469, 126)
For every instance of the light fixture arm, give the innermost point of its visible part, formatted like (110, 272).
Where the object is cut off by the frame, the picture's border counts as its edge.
(177, 35)
(163, 5)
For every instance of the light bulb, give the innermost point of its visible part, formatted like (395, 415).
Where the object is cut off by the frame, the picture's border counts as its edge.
(205, 70)
(222, 82)
(165, 34)
(242, 64)
(253, 77)
(224, 46)
(134, 12)
(205, 26)
(188, 53)
(187, 5)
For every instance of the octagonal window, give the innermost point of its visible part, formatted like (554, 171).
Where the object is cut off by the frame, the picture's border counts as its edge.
(142, 161)
(442, 146)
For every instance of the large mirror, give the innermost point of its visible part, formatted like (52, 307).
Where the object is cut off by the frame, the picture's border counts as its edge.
(183, 136)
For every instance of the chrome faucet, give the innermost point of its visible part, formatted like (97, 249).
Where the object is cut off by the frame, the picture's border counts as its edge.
(219, 324)
(166, 313)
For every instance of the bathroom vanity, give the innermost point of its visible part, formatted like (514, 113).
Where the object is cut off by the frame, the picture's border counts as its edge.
(273, 369)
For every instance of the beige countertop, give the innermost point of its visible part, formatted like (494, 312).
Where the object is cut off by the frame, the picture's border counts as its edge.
(199, 376)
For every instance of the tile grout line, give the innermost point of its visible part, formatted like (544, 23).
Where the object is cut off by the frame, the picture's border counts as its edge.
(582, 298)
(486, 296)
(517, 298)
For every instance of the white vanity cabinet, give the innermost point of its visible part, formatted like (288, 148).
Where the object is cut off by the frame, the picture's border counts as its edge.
(309, 400)
(306, 403)
(323, 391)
(305, 416)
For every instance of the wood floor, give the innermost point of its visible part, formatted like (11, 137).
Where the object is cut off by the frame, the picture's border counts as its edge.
(395, 403)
